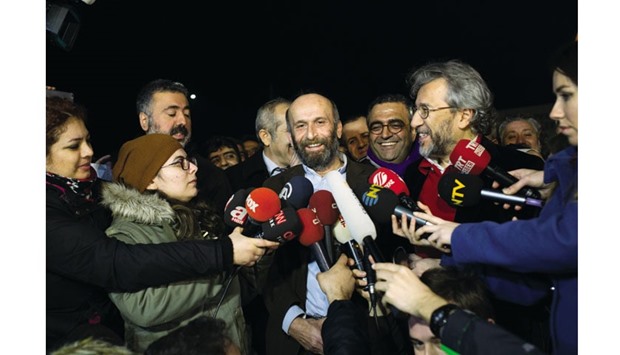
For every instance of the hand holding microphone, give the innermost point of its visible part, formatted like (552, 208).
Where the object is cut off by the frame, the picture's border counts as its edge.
(470, 157)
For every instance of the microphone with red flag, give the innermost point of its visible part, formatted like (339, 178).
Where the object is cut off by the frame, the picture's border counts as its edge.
(323, 204)
(311, 236)
(470, 157)
(389, 179)
(282, 227)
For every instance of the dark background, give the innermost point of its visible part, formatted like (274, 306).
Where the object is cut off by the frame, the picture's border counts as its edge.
(235, 56)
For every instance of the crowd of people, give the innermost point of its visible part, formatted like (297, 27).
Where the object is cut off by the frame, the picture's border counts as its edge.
(179, 247)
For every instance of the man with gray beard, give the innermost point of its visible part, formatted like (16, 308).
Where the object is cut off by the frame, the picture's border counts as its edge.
(297, 306)
(453, 102)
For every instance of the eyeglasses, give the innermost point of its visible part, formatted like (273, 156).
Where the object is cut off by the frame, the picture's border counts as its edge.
(393, 126)
(183, 162)
(425, 111)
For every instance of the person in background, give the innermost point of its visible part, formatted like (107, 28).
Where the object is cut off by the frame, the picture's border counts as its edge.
(83, 264)
(276, 156)
(203, 335)
(222, 151)
(150, 203)
(250, 145)
(355, 137)
(521, 132)
(545, 245)
(163, 107)
(460, 330)
(392, 140)
(458, 286)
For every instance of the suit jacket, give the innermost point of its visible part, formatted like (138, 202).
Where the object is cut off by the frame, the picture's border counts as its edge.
(286, 281)
(250, 173)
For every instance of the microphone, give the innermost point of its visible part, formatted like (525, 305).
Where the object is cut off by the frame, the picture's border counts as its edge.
(389, 179)
(235, 213)
(462, 190)
(470, 157)
(382, 203)
(358, 222)
(311, 236)
(262, 203)
(282, 227)
(348, 245)
(296, 192)
(323, 204)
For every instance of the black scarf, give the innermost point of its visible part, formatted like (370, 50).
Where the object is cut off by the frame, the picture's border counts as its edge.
(78, 193)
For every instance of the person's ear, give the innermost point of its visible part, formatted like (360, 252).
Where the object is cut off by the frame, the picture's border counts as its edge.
(265, 137)
(144, 121)
(339, 129)
(152, 186)
(464, 118)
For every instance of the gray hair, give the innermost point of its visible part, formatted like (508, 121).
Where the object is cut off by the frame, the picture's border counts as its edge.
(502, 127)
(265, 117)
(466, 89)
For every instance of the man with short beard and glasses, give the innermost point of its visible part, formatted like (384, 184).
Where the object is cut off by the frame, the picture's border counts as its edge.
(163, 107)
(297, 306)
(453, 102)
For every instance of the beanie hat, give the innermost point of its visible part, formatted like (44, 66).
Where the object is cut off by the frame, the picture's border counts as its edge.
(140, 159)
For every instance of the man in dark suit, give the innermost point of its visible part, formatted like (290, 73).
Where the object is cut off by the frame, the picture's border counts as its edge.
(277, 155)
(277, 152)
(297, 306)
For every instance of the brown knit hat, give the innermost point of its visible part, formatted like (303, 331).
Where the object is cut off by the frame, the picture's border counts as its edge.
(140, 159)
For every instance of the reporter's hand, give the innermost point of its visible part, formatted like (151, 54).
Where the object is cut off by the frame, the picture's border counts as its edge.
(527, 177)
(439, 232)
(307, 332)
(247, 251)
(403, 289)
(407, 229)
(338, 282)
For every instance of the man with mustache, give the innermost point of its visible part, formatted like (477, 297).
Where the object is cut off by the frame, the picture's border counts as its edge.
(297, 306)
(163, 107)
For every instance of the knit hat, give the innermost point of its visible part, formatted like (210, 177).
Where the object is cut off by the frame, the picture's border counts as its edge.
(140, 159)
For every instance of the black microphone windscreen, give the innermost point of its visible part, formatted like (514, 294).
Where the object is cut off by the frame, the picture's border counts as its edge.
(282, 227)
(296, 192)
(460, 190)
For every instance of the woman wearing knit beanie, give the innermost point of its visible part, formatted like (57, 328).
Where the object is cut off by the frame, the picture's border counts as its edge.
(150, 203)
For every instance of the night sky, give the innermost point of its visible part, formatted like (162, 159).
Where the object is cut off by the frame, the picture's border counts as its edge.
(235, 56)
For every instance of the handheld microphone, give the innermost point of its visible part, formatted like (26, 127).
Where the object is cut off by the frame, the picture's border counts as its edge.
(296, 192)
(382, 203)
(462, 190)
(389, 179)
(262, 203)
(323, 204)
(282, 227)
(470, 157)
(348, 245)
(311, 236)
(235, 214)
(360, 225)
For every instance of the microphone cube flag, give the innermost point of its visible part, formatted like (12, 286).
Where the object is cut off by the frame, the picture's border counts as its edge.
(469, 157)
(389, 179)
(262, 203)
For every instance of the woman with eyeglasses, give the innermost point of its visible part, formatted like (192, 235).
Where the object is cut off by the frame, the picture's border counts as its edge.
(150, 203)
(83, 264)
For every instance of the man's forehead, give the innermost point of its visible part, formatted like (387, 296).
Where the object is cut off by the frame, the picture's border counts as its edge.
(165, 99)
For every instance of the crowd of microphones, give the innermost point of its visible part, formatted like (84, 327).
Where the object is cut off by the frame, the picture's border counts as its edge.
(349, 215)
